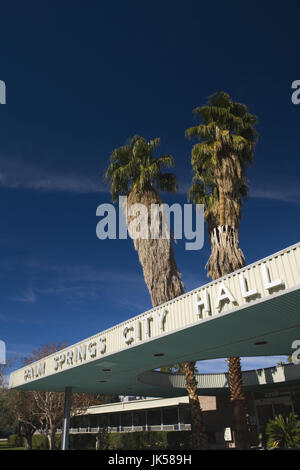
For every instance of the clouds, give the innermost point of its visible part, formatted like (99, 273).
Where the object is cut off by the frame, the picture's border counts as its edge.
(26, 295)
(21, 173)
(79, 284)
(18, 173)
(287, 194)
(284, 187)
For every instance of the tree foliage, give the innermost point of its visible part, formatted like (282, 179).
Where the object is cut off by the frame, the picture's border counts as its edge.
(227, 138)
(44, 410)
(134, 172)
(283, 432)
(133, 168)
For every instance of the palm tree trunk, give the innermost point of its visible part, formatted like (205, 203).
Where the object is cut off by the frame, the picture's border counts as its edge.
(164, 283)
(238, 400)
(222, 206)
(226, 257)
(199, 438)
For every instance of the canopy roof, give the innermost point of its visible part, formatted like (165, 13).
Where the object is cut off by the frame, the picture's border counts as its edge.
(254, 311)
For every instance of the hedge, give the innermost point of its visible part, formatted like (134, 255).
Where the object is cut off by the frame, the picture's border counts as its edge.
(14, 440)
(142, 440)
(39, 441)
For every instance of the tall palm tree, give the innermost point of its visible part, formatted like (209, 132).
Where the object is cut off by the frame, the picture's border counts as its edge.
(135, 173)
(227, 139)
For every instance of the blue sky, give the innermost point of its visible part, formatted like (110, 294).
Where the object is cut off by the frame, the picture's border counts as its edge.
(83, 77)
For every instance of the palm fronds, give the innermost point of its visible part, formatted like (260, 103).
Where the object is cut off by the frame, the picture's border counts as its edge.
(283, 432)
(132, 166)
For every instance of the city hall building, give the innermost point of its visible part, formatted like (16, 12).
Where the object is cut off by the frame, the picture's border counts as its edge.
(251, 312)
(269, 392)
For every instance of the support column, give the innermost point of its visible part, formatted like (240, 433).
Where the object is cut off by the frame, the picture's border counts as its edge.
(66, 422)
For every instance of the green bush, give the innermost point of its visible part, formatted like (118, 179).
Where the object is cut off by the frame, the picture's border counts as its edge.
(14, 440)
(179, 440)
(154, 440)
(283, 432)
(82, 441)
(143, 440)
(40, 442)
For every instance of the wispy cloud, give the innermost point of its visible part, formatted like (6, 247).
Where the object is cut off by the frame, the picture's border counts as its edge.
(283, 194)
(77, 284)
(16, 173)
(27, 296)
(82, 272)
(13, 318)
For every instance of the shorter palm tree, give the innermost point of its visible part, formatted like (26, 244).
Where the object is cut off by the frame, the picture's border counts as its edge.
(135, 173)
(283, 432)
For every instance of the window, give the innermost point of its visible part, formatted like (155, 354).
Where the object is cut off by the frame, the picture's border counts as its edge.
(126, 419)
(153, 417)
(170, 415)
(139, 418)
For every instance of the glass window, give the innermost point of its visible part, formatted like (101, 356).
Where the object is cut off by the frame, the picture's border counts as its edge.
(114, 419)
(103, 421)
(153, 417)
(296, 402)
(170, 415)
(93, 421)
(126, 419)
(264, 413)
(282, 408)
(185, 415)
(139, 418)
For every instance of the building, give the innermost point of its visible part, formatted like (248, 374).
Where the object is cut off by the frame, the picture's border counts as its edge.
(253, 311)
(269, 392)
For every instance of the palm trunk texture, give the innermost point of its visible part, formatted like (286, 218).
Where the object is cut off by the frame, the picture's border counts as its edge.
(226, 257)
(164, 283)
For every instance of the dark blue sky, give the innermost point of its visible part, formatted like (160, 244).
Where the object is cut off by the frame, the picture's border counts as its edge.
(81, 78)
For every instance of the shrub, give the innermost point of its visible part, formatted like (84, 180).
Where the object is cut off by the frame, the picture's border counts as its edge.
(14, 440)
(283, 432)
(139, 440)
(154, 440)
(179, 440)
(40, 442)
(82, 441)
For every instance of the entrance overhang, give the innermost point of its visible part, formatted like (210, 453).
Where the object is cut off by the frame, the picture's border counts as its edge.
(254, 311)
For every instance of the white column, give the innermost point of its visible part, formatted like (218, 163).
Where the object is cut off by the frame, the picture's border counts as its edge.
(66, 421)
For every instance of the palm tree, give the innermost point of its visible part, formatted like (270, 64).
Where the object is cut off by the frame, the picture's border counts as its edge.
(227, 140)
(283, 432)
(135, 173)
